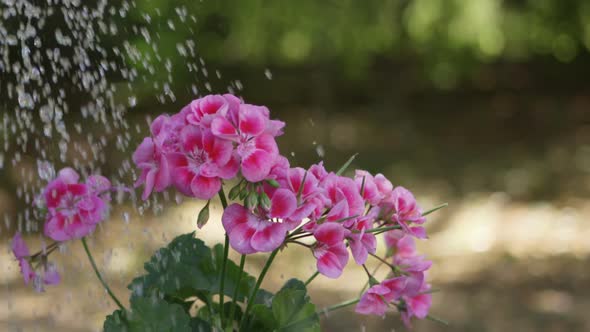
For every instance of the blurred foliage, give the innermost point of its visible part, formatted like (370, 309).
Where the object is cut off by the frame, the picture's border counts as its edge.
(445, 37)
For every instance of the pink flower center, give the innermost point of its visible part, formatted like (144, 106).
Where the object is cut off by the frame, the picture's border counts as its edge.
(246, 147)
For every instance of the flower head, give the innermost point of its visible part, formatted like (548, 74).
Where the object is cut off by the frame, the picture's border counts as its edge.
(73, 208)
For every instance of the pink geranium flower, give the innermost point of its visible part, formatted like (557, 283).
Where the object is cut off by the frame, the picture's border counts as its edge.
(417, 305)
(254, 133)
(155, 173)
(74, 208)
(330, 249)
(310, 198)
(375, 189)
(362, 243)
(205, 160)
(345, 199)
(405, 211)
(249, 233)
(376, 299)
(50, 276)
(202, 111)
(21, 252)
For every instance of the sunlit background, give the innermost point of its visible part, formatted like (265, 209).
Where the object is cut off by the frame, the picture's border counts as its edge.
(483, 104)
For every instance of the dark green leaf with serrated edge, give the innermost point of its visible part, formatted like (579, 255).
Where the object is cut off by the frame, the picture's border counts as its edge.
(290, 311)
(147, 315)
(187, 267)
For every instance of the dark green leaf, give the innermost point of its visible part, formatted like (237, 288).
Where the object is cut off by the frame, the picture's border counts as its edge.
(147, 315)
(199, 325)
(290, 311)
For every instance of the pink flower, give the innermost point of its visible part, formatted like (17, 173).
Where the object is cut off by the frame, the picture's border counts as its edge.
(202, 111)
(375, 189)
(254, 133)
(205, 160)
(330, 250)
(376, 299)
(417, 305)
(74, 208)
(249, 233)
(345, 198)
(311, 199)
(362, 243)
(405, 211)
(21, 252)
(151, 160)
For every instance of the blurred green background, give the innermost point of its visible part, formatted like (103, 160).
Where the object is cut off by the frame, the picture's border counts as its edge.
(481, 103)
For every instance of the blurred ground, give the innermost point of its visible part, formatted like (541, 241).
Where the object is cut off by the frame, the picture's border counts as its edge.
(499, 265)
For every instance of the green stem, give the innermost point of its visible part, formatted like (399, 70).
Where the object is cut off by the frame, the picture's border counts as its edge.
(382, 229)
(438, 207)
(234, 298)
(338, 306)
(224, 264)
(252, 296)
(104, 284)
(312, 277)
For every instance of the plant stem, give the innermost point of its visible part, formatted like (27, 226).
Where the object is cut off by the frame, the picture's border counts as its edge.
(234, 300)
(382, 229)
(312, 277)
(338, 306)
(252, 296)
(443, 205)
(104, 284)
(224, 264)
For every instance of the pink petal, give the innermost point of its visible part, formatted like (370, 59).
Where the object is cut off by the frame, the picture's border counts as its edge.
(283, 204)
(240, 238)
(19, 247)
(330, 265)
(148, 186)
(205, 188)
(330, 233)
(420, 305)
(222, 128)
(230, 169)
(51, 276)
(98, 183)
(182, 178)
(192, 138)
(233, 215)
(267, 143)
(68, 175)
(256, 166)
(252, 120)
(55, 228)
(26, 270)
(145, 151)
(268, 237)
(162, 179)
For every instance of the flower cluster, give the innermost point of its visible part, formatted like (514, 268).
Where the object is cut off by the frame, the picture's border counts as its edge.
(73, 209)
(210, 139)
(219, 137)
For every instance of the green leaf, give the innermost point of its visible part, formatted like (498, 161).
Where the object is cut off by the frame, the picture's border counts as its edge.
(147, 315)
(199, 325)
(290, 311)
(293, 311)
(180, 270)
(187, 267)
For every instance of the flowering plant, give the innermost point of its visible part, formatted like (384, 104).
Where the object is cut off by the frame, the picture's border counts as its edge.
(272, 206)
